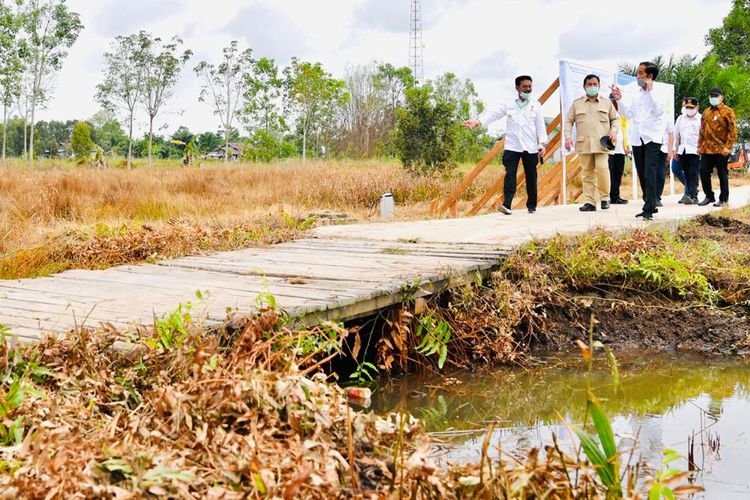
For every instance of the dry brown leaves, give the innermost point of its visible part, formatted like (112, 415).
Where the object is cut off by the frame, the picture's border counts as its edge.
(190, 423)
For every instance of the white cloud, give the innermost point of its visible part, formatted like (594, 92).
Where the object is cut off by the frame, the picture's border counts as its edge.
(268, 31)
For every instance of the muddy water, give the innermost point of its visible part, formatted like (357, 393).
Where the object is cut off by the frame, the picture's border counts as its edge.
(663, 398)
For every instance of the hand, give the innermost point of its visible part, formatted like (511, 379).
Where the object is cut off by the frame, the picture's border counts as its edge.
(616, 92)
(669, 157)
(627, 151)
(676, 156)
(568, 144)
(471, 123)
(542, 150)
(613, 137)
(726, 152)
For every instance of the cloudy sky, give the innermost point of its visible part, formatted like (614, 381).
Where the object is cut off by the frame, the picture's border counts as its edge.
(488, 41)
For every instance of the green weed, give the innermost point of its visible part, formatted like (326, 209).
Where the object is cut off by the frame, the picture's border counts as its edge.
(435, 335)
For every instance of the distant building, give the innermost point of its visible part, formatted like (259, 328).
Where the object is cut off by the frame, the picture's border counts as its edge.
(234, 152)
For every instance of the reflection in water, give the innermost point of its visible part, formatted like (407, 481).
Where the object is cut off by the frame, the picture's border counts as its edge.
(662, 398)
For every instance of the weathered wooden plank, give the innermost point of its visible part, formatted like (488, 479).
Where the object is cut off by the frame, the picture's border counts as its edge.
(394, 254)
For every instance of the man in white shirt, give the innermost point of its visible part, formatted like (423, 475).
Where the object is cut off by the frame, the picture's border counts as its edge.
(525, 140)
(646, 115)
(687, 130)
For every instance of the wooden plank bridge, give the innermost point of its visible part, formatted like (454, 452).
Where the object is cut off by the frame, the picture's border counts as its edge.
(339, 273)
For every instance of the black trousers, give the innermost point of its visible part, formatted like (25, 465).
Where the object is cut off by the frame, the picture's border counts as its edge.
(616, 168)
(691, 166)
(708, 163)
(510, 161)
(647, 158)
(661, 174)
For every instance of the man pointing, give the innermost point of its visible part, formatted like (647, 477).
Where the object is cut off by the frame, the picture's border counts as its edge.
(525, 139)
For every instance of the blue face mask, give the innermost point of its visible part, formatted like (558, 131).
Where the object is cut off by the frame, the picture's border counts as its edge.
(714, 101)
(641, 82)
(524, 95)
(592, 91)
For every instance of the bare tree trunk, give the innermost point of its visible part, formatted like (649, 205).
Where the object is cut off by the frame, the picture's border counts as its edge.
(25, 139)
(304, 140)
(130, 141)
(5, 129)
(31, 134)
(150, 137)
(229, 121)
(226, 147)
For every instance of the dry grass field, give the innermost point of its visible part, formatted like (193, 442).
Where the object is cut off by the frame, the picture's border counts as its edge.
(61, 216)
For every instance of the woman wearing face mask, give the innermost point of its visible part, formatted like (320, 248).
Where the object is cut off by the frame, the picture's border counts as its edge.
(717, 135)
(687, 130)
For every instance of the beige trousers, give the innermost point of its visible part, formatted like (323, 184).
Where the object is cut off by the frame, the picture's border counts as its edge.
(595, 176)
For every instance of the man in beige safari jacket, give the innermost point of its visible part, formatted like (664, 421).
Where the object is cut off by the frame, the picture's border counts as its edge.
(594, 117)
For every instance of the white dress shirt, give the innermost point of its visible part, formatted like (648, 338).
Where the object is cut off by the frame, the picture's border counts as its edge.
(525, 130)
(646, 117)
(668, 129)
(686, 131)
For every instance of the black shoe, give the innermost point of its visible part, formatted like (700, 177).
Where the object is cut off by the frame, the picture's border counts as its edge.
(706, 201)
(720, 204)
(587, 207)
(531, 210)
(656, 211)
(619, 201)
(504, 209)
(645, 215)
(659, 204)
(605, 204)
(686, 200)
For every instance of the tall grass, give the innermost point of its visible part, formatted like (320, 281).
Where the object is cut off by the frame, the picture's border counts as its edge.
(59, 203)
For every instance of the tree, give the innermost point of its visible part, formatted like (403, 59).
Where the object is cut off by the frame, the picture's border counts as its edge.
(162, 67)
(224, 85)
(81, 142)
(124, 79)
(262, 98)
(107, 131)
(731, 41)
(51, 29)
(463, 97)
(363, 124)
(427, 132)
(312, 94)
(23, 104)
(10, 65)
(208, 141)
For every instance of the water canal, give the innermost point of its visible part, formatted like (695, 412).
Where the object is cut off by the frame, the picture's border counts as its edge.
(662, 398)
